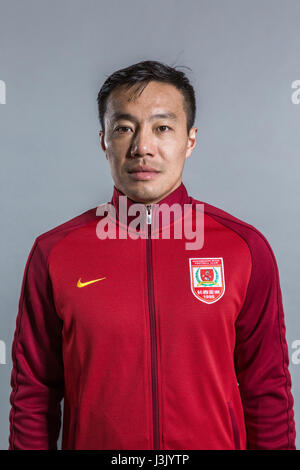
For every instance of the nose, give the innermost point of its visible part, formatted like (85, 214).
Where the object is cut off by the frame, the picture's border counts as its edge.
(142, 144)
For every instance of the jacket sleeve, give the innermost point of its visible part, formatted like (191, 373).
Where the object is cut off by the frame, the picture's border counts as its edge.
(37, 377)
(261, 356)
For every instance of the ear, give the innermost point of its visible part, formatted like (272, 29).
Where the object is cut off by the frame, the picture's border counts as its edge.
(191, 144)
(102, 140)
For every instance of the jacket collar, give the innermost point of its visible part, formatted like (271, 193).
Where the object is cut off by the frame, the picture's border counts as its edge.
(177, 196)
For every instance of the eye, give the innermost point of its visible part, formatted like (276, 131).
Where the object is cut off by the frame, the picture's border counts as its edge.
(160, 127)
(121, 128)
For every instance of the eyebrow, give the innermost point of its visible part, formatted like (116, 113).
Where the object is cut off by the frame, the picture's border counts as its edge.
(117, 116)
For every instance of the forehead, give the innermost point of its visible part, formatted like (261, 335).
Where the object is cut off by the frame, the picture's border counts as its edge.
(156, 96)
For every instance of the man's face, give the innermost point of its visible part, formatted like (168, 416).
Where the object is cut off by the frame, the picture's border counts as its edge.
(136, 138)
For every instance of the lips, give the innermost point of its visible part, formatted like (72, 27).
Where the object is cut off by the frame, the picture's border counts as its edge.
(143, 169)
(143, 173)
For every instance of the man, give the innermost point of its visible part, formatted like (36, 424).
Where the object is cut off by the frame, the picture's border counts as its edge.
(151, 345)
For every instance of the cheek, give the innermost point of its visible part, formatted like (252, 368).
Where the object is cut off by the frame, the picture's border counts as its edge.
(116, 160)
(119, 149)
(115, 148)
(174, 145)
(175, 156)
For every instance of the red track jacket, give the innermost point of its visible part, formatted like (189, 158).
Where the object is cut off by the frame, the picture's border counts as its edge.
(173, 349)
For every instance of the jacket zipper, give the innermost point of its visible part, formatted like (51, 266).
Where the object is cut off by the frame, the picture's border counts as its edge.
(152, 330)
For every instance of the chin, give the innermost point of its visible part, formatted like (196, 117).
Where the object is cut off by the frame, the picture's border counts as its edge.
(143, 193)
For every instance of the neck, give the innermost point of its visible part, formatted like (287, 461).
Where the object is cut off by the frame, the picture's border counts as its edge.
(153, 201)
(178, 195)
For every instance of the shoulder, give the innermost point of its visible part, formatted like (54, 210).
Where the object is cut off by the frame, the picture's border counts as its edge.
(259, 246)
(45, 242)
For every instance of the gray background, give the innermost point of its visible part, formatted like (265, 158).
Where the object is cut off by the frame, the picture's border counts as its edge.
(55, 55)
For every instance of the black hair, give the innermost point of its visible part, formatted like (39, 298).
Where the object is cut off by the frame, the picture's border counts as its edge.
(141, 74)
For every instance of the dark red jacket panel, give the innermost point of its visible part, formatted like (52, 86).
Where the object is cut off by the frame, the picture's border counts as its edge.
(143, 357)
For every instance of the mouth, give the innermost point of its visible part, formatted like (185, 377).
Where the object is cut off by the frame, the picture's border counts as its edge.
(143, 173)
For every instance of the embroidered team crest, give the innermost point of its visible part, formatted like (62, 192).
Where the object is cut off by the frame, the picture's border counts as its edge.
(207, 278)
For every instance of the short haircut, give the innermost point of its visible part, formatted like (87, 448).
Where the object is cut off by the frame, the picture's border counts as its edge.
(141, 74)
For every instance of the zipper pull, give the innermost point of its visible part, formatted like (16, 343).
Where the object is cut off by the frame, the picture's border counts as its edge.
(149, 214)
